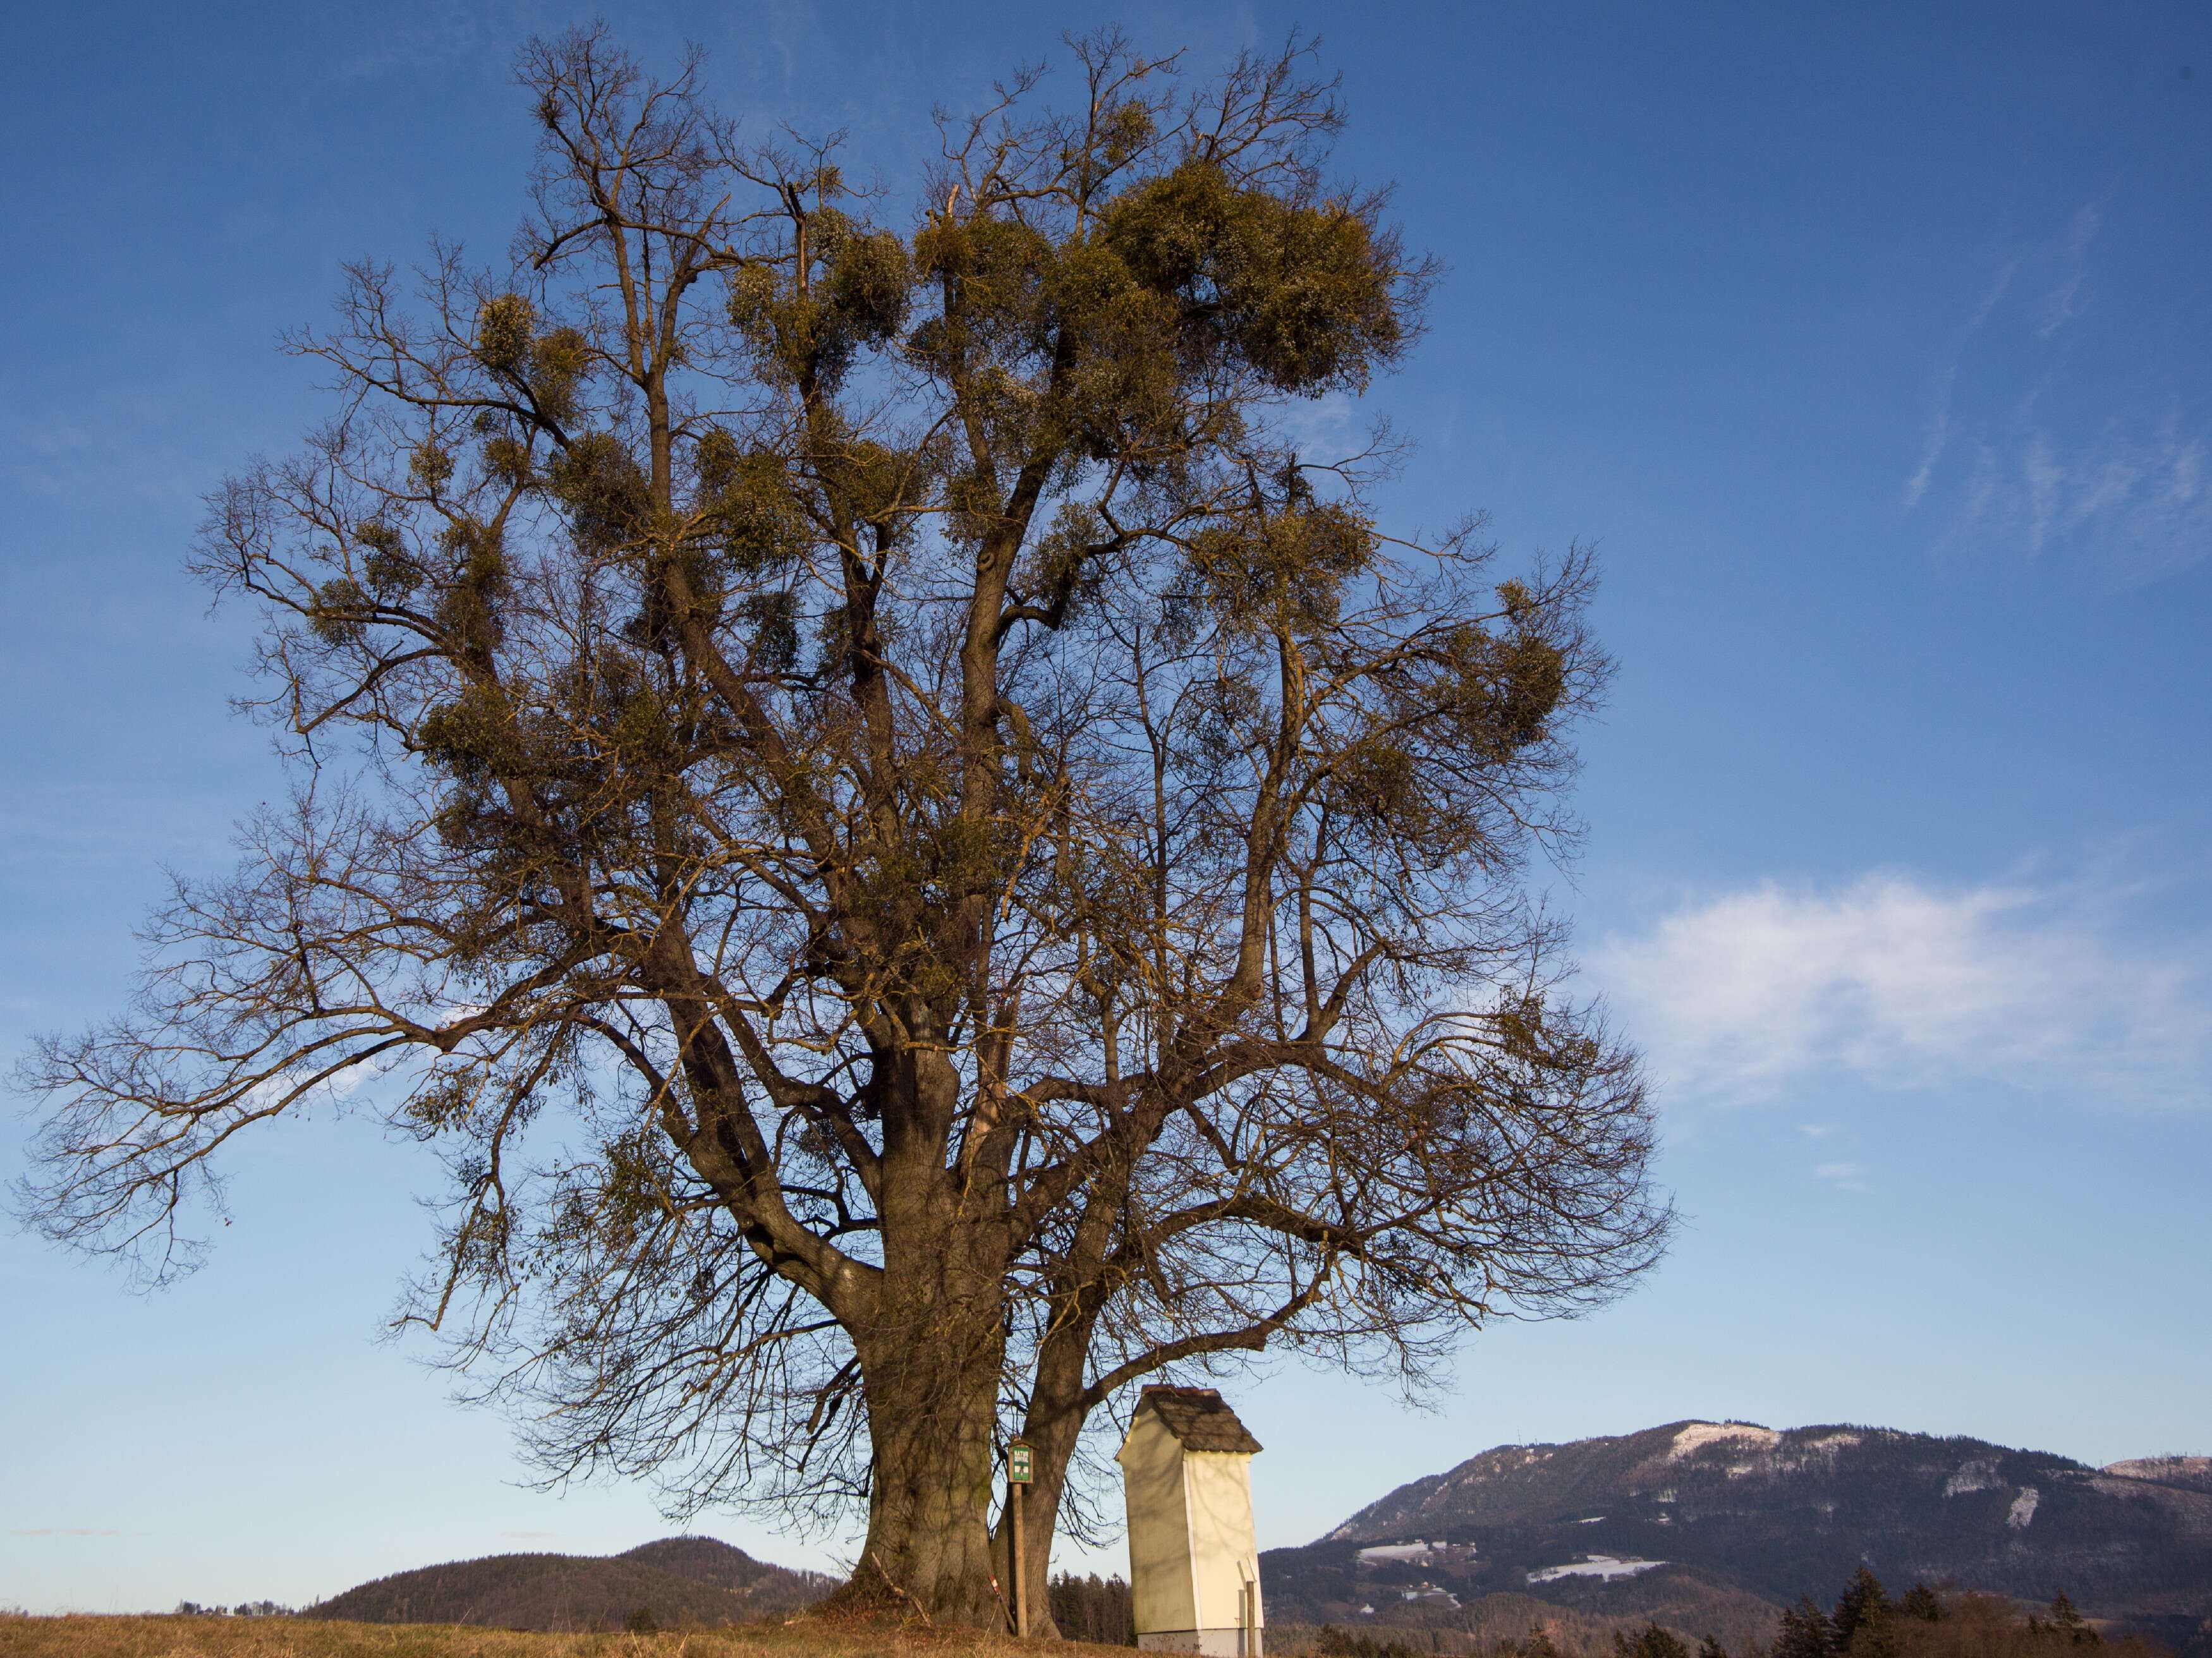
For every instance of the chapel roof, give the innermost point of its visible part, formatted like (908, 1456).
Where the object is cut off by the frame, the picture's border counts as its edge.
(1198, 1418)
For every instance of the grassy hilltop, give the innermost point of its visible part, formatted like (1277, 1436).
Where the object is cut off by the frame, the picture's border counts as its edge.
(170, 1636)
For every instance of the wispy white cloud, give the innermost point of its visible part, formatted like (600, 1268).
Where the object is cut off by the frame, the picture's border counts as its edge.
(1941, 426)
(2064, 301)
(1903, 983)
(1322, 427)
(2138, 494)
(2037, 441)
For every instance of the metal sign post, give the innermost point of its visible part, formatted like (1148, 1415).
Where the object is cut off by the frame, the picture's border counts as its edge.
(1020, 1460)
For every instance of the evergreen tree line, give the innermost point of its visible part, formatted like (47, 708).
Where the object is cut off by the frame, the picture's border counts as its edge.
(1093, 1609)
(1864, 1623)
(244, 1609)
(1867, 1624)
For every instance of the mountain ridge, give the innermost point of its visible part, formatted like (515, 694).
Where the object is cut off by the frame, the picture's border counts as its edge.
(1773, 1514)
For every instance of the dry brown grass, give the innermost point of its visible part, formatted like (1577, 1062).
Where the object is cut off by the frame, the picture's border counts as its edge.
(84, 1636)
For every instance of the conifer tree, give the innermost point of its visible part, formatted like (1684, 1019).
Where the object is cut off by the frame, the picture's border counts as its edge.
(1805, 1632)
(1863, 1598)
(2066, 1620)
(1651, 1642)
(1922, 1603)
(1876, 1635)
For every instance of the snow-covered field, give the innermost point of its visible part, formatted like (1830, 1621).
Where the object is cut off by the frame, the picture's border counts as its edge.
(1598, 1565)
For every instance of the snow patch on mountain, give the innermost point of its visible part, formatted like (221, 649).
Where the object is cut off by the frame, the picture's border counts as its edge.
(1978, 1475)
(2023, 1507)
(1698, 1435)
(2189, 1473)
(1416, 1552)
(1598, 1565)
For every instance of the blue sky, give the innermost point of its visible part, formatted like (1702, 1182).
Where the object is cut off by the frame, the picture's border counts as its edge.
(1870, 344)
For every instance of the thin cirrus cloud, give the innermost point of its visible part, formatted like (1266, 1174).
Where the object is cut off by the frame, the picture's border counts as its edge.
(2137, 494)
(2040, 443)
(1903, 983)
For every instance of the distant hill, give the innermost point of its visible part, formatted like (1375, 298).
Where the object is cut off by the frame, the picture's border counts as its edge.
(765, 1588)
(1744, 1514)
(677, 1580)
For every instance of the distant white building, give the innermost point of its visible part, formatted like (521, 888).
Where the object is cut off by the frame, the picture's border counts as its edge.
(1193, 1563)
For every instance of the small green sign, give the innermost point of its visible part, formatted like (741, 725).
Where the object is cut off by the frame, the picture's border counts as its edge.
(1018, 1463)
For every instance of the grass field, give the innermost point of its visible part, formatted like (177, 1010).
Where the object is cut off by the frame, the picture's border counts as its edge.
(90, 1636)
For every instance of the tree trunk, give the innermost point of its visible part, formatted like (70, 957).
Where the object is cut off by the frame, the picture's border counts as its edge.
(931, 1365)
(928, 1548)
(1051, 1426)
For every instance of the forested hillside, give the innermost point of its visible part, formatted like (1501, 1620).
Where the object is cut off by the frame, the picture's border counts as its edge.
(1735, 1515)
(675, 1581)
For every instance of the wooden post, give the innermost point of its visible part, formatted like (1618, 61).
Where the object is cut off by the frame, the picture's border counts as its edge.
(1020, 1461)
(1021, 1582)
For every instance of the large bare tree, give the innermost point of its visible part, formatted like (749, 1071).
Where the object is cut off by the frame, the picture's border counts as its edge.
(918, 848)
